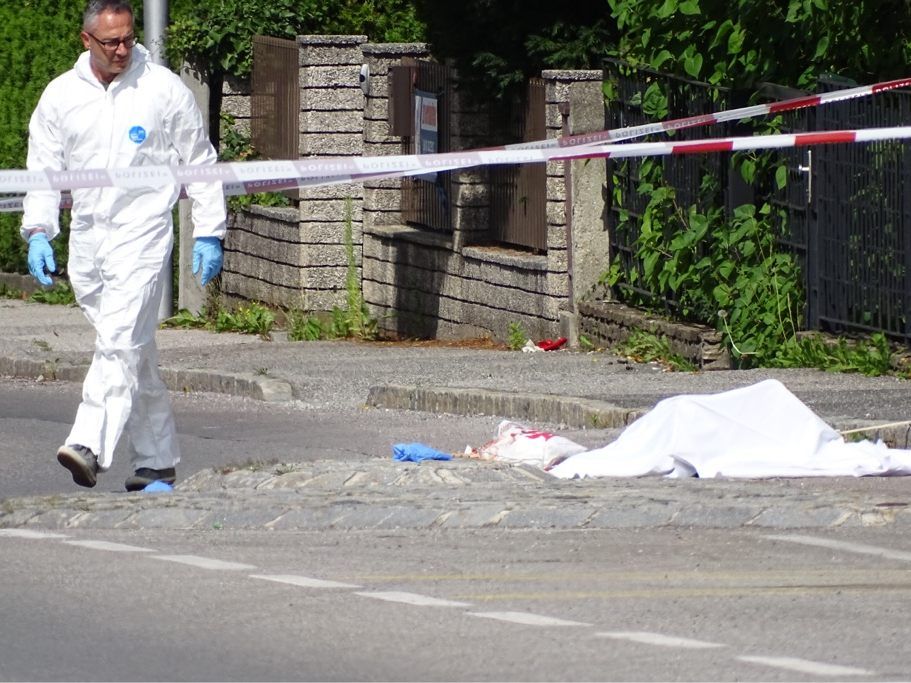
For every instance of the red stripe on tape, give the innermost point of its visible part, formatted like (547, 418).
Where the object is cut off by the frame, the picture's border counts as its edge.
(796, 103)
(699, 147)
(824, 137)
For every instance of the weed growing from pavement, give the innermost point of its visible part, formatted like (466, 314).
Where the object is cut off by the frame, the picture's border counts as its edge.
(351, 322)
(516, 336)
(7, 292)
(61, 294)
(248, 318)
(586, 344)
(647, 347)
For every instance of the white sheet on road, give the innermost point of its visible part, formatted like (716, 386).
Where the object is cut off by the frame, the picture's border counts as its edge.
(759, 431)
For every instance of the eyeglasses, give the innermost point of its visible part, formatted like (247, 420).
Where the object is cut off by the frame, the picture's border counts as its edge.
(113, 43)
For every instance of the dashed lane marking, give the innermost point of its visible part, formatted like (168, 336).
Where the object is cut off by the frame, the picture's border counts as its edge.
(412, 599)
(112, 547)
(658, 639)
(526, 619)
(859, 548)
(303, 581)
(28, 533)
(204, 562)
(806, 666)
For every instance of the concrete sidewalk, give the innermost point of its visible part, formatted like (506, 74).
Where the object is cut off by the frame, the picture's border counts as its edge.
(553, 389)
(569, 388)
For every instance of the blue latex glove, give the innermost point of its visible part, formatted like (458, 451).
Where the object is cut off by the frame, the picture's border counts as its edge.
(41, 258)
(416, 452)
(208, 255)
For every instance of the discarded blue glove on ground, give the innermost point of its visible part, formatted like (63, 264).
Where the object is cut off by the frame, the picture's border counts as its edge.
(208, 255)
(158, 487)
(416, 452)
(41, 258)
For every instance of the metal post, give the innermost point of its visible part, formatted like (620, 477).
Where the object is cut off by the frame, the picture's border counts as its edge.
(155, 21)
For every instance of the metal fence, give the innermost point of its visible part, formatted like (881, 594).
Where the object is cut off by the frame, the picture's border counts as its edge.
(861, 198)
(518, 192)
(631, 102)
(275, 101)
(848, 206)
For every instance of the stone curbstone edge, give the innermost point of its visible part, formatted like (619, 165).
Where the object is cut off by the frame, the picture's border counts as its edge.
(262, 388)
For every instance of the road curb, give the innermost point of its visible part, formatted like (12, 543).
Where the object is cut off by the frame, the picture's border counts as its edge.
(573, 412)
(262, 388)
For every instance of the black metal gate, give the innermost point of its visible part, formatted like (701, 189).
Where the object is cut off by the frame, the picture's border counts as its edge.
(630, 103)
(847, 206)
(861, 195)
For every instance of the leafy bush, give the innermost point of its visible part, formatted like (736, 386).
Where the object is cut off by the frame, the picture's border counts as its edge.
(218, 34)
(40, 41)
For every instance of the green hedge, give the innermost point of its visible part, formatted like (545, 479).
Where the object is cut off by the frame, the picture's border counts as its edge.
(40, 40)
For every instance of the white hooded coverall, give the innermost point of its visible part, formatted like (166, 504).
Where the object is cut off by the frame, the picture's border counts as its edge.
(121, 238)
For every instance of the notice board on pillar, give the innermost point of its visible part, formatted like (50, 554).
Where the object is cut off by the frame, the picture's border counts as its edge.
(425, 130)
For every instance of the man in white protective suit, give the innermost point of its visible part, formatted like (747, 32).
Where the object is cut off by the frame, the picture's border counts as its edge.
(115, 108)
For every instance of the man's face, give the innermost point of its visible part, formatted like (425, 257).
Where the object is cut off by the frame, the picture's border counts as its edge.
(113, 59)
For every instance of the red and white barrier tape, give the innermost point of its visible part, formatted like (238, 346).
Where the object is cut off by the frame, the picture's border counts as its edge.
(330, 171)
(717, 117)
(250, 177)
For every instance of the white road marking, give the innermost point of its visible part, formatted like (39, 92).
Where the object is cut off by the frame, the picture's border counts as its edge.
(806, 666)
(412, 599)
(658, 639)
(526, 619)
(204, 562)
(841, 545)
(113, 547)
(303, 581)
(28, 533)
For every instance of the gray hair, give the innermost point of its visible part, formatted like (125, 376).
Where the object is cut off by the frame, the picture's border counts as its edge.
(94, 8)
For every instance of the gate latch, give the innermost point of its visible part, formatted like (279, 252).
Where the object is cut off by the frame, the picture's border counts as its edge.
(808, 169)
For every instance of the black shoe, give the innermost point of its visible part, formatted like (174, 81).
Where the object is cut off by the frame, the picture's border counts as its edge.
(145, 476)
(81, 462)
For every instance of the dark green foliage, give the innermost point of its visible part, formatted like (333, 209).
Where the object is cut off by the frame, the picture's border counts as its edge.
(216, 34)
(499, 43)
(40, 40)
(729, 42)
(742, 42)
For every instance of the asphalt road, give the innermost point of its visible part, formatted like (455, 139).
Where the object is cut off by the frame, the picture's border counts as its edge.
(608, 605)
(424, 604)
(216, 431)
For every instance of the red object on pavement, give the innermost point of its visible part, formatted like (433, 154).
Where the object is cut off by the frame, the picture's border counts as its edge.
(551, 344)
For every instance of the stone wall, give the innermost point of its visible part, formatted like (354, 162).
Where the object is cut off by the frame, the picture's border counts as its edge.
(608, 323)
(422, 283)
(265, 259)
(297, 256)
(417, 282)
(235, 101)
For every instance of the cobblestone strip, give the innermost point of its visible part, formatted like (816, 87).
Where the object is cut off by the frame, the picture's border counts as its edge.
(378, 494)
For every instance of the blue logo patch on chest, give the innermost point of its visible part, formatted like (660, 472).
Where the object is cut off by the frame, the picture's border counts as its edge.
(137, 134)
